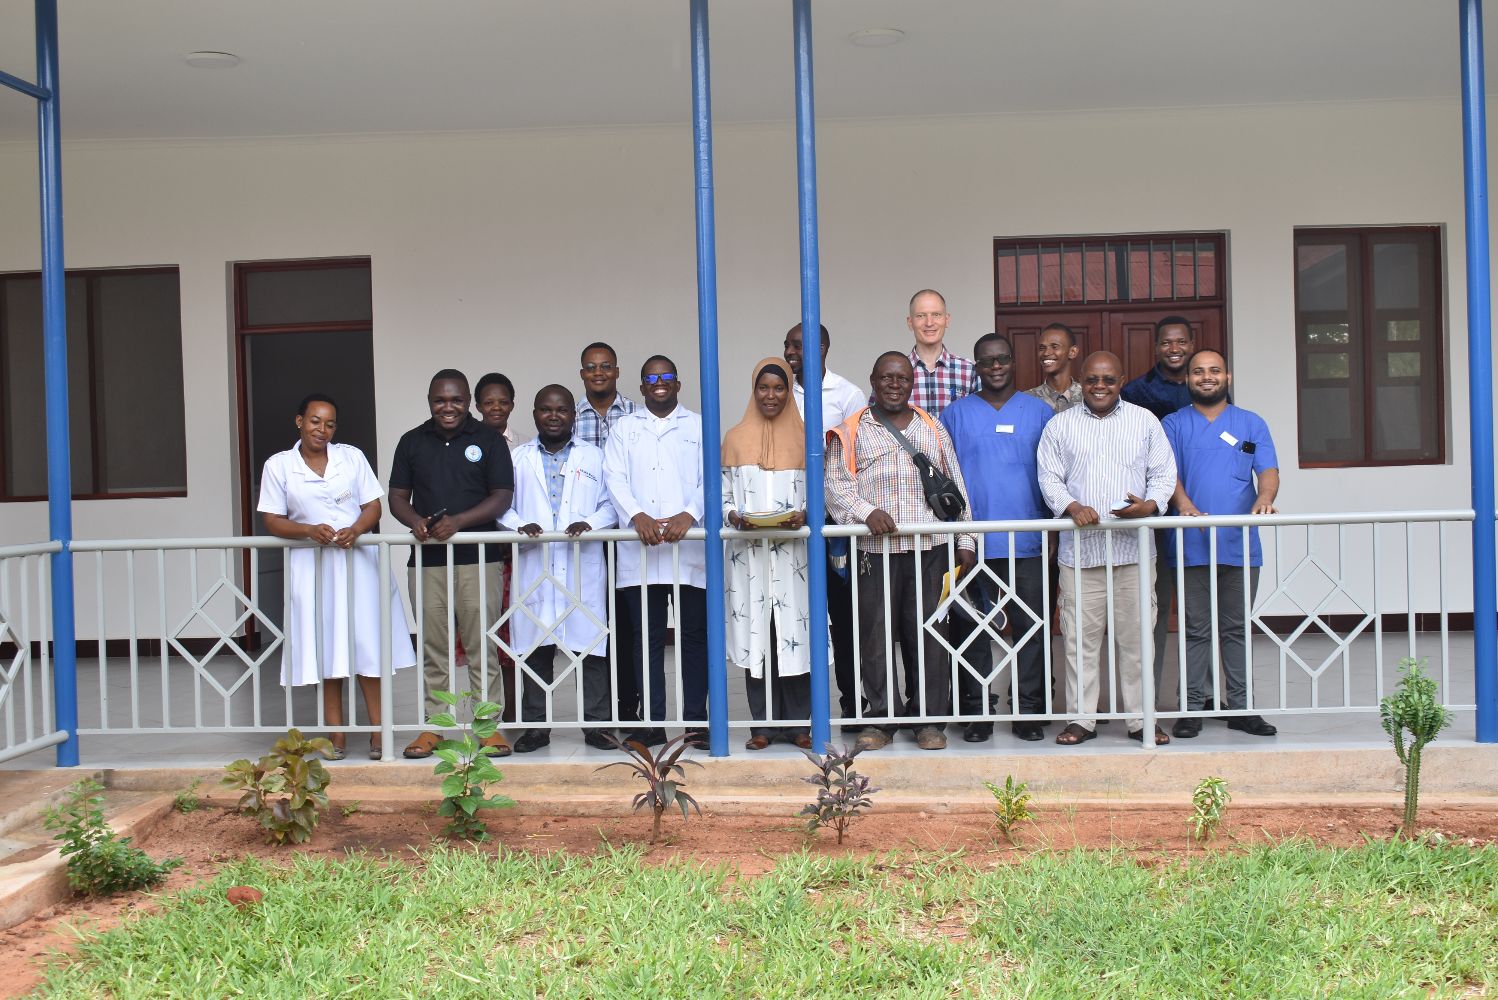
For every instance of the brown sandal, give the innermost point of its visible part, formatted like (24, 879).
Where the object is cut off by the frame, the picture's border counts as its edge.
(1074, 734)
(1160, 738)
(422, 747)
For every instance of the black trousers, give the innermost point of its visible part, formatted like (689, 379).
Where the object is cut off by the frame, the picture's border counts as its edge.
(691, 638)
(1029, 659)
(594, 679)
(910, 574)
(840, 631)
(790, 697)
(626, 636)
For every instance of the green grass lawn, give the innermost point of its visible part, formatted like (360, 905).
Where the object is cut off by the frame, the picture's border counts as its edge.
(1295, 921)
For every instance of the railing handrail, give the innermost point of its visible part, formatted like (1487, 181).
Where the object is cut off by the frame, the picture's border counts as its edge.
(29, 549)
(831, 531)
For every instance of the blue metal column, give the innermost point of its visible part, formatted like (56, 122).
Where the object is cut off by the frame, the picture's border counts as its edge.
(707, 353)
(811, 372)
(55, 354)
(1480, 374)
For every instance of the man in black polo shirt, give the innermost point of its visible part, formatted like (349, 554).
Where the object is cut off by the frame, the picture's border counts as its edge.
(452, 474)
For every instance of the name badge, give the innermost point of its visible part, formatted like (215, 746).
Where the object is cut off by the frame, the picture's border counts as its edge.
(1004, 429)
(344, 497)
(473, 453)
(1229, 439)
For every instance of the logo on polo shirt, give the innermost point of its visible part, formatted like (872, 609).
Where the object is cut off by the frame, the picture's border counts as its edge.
(473, 453)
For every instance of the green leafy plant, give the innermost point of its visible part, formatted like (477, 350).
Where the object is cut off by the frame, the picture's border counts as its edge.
(349, 808)
(187, 800)
(841, 791)
(1413, 709)
(663, 775)
(1011, 805)
(286, 789)
(1209, 800)
(464, 765)
(99, 860)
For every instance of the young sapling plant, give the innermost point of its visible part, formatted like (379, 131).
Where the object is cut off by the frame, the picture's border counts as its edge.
(465, 765)
(663, 775)
(1011, 805)
(1209, 801)
(1413, 709)
(841, 791)
(286, 790)
(100, 861)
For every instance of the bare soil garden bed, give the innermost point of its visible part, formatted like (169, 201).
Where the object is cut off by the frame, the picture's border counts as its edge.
(209, 838)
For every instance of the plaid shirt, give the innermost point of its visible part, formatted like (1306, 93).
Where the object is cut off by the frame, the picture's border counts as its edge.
(888, 480)
(937, 388)
(594, 429)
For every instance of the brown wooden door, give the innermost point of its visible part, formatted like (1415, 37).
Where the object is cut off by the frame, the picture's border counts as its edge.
(1023, 332)
(1131, 334)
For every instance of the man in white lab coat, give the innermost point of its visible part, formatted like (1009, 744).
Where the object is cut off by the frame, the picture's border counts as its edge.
(558, 595)
(652, 467)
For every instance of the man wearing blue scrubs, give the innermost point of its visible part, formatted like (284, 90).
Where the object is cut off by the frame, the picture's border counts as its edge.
(1220, 450)
(996, 432)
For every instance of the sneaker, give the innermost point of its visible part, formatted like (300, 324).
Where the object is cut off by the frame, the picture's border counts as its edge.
(872, 739)
(930, 738)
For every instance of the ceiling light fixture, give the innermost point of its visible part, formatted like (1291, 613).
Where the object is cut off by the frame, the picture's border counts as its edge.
(211, 60)
(876, 38)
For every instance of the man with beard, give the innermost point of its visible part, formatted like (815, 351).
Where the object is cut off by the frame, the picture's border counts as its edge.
(1220, 450)
(1103, 460)
(996, 432)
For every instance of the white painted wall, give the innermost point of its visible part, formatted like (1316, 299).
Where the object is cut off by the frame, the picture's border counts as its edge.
(512, 250)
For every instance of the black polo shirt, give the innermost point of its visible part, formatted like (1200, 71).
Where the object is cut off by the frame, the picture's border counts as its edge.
(455, 475)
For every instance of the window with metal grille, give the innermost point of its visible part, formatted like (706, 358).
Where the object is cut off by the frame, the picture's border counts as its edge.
(1098, 270)
(124, 385)
(1370, 377)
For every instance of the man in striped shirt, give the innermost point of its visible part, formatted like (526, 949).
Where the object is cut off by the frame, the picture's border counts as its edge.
(1105, 460)
(899, 577)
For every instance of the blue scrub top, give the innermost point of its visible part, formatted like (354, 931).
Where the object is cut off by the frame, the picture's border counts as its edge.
(996, 449)
(1217, 461)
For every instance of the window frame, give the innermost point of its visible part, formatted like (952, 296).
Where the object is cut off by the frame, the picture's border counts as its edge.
(1365, 349)
(90, 274)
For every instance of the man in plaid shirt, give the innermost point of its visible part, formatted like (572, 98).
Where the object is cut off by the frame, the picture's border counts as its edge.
(941, 377)
(881, 487)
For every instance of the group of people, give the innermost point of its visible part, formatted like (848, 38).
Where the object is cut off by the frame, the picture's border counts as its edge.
(935, 438)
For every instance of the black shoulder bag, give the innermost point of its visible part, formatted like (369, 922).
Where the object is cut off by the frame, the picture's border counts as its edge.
(942, 494)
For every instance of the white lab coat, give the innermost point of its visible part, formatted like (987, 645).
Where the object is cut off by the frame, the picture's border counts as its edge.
(537, 603)
(653, 465)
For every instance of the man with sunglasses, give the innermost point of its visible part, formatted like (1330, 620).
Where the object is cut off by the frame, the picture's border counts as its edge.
(996, 432)
(1107, 459)
(652, 467)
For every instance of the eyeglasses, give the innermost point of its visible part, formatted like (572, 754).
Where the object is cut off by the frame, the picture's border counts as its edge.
(662, 377)
(895, 379)
(605, 368)
(994, 362)
(1101, 380)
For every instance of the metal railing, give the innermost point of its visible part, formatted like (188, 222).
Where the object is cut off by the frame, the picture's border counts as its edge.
(186, 641)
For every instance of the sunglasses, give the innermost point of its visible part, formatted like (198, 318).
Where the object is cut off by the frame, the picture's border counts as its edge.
(662, 377)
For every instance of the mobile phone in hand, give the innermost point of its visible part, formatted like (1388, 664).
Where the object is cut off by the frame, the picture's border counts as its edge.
(432, 521)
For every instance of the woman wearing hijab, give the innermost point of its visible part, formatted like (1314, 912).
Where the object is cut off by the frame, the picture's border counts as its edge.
(764, 485)
(327, 493)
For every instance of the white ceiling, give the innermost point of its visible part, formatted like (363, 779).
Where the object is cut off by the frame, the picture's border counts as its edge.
(350, 66)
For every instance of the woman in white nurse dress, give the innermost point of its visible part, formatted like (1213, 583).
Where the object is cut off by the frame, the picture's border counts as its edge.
(327, 493)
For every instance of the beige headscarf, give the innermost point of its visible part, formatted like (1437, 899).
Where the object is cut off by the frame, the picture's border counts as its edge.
(769, 444)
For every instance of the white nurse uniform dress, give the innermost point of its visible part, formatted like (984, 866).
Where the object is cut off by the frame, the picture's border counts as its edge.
(290, 488)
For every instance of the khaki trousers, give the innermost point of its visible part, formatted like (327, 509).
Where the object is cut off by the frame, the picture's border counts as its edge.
(1083, 600)
(438, 671)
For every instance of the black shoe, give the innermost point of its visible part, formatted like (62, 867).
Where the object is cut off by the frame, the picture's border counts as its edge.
(647, 737)
(978, 732)
(1253, 725)
(1186, 729)
(531, 740)
(1030, 732)
(598, 739)
(697, 740)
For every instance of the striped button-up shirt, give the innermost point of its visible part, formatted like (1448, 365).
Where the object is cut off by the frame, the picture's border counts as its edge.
(1095, 460)
(592, 427)
(888, 480)
(943, 384)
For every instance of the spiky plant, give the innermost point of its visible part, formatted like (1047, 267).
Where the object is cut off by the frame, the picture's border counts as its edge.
(1413, 709)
